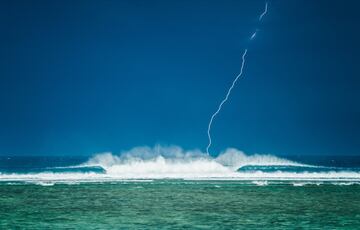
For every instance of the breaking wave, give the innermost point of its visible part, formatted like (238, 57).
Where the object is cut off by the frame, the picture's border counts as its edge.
(175, 163)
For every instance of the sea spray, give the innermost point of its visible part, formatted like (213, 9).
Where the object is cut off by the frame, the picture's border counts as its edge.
(173, 162)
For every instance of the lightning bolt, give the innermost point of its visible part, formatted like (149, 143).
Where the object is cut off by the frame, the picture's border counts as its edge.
(232, 85)
(265, 11)
(253, 35)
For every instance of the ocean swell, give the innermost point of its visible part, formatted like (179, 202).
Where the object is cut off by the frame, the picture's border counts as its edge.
(173, 162)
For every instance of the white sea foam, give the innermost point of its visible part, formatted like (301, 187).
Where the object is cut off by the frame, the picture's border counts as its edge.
(260, 183)
(144, 163)
(299, 184)
(346, 183)
(45, 183)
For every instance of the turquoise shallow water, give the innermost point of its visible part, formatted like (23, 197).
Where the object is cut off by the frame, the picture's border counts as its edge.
(179, 204)
(168, 188)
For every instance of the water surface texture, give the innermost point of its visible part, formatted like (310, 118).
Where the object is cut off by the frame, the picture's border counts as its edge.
(170, 188)
(178, 204)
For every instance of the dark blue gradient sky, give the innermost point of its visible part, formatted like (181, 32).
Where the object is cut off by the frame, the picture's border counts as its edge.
(79, 77)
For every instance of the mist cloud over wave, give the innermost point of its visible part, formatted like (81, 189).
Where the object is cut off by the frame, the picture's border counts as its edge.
(175, 160)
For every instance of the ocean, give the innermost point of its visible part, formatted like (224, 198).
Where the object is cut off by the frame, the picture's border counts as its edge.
(169, 188)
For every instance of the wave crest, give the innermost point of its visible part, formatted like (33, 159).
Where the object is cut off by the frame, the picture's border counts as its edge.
(159, 161)
(236, 159)
(173, 161)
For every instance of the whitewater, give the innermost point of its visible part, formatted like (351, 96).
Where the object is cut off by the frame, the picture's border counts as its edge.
(173, 162)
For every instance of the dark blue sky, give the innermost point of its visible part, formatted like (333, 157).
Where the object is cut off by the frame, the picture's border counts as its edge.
(79, 77)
